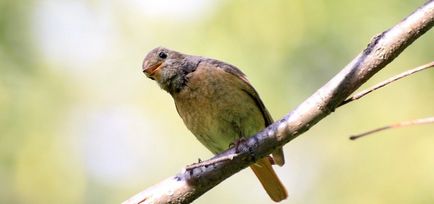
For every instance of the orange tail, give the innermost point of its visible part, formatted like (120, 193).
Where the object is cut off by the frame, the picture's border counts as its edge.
(269, 180)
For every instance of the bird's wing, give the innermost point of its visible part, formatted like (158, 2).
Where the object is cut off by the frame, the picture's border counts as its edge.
(278, 155)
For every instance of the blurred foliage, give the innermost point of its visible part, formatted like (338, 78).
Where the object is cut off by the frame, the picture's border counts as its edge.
(79, 123)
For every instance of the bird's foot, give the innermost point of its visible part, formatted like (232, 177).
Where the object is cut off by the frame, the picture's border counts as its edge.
(236, 144)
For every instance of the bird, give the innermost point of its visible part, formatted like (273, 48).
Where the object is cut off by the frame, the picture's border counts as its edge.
(217, 104)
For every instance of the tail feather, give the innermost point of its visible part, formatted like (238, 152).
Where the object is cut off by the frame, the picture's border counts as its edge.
(269, 180)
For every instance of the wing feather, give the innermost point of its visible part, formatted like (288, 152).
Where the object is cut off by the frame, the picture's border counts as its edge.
(278, 155)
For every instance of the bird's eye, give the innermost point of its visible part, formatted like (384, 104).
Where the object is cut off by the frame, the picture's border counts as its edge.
(162, 55)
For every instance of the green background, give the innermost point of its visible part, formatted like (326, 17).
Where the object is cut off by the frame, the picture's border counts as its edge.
(80, 123)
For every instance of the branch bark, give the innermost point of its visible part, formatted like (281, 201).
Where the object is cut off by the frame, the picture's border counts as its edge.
(189, 184)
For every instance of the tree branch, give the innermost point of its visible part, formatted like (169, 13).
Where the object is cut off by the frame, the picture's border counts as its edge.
(188, 185)
(420, 121)
(386, 82)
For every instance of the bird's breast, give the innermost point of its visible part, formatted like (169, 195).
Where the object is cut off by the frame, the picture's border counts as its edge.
(215, 108)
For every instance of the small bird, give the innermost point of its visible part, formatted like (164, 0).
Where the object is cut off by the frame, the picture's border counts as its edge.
(217, 104)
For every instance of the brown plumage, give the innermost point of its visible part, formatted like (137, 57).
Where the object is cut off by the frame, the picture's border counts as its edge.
(217, 104)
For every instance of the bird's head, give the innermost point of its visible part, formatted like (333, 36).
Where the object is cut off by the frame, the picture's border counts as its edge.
(168, 68)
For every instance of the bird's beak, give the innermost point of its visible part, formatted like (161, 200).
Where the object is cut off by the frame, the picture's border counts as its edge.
(150, 70)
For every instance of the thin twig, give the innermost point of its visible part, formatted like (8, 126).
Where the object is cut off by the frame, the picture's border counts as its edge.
(388, 81)
(420, 121)
(210, 162)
